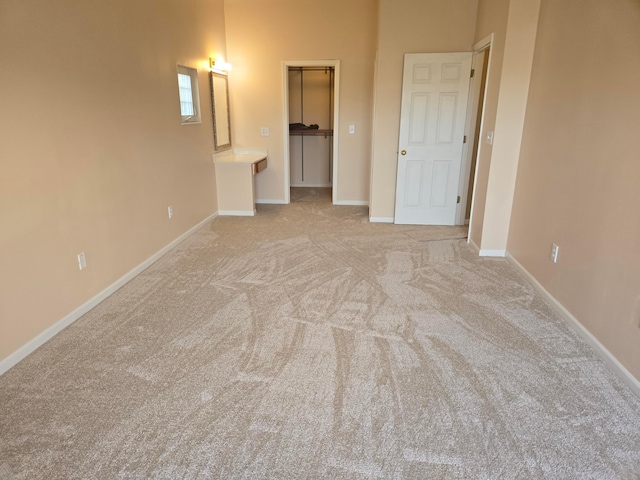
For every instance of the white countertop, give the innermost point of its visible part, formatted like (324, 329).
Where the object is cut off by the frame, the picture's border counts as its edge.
(246, 156)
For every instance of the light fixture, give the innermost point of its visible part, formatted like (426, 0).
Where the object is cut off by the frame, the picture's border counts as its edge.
(219, 66)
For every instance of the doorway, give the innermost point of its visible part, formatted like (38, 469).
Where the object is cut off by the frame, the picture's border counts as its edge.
(477, 90)
(311, 154)
(311, 126)
(414, 196)
(435, 90)
(482, 58)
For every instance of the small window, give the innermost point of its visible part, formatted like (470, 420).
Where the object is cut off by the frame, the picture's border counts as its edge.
(189, 97)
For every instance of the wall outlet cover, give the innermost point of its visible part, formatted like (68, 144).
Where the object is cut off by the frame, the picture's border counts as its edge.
(82, 261)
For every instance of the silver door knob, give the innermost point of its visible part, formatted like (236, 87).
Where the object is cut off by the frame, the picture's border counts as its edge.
(403, 152)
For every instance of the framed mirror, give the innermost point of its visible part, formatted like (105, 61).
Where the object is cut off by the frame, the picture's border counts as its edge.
(220, 110)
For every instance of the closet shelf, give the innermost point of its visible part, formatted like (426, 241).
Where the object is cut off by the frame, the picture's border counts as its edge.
(316, 131)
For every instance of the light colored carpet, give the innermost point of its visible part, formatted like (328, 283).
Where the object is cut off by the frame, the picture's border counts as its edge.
(306, 343)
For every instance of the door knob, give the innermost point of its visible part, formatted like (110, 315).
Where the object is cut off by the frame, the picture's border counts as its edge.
(403, 152)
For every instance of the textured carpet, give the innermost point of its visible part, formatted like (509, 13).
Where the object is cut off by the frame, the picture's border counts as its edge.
(306, 343)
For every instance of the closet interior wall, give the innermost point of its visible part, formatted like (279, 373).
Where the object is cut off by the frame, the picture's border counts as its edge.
(311, 103)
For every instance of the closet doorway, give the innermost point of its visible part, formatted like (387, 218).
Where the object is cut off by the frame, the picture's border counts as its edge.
(311, 105)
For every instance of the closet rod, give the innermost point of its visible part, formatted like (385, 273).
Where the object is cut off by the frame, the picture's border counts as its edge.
(311, 69)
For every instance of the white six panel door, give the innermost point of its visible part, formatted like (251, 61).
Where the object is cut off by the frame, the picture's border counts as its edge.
(435, 88)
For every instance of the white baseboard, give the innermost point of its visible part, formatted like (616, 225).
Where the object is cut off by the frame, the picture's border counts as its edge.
(486, 253)
(492, 253)
(624, 374)
(236, 213)
(49, 333)
(381, 219)
(353, 203)
(270, 202)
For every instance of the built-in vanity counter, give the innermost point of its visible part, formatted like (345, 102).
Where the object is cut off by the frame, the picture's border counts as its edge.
(235, 169)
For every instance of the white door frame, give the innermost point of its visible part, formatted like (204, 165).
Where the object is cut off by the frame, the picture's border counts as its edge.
(482, 45)
(469, 133)
(336, 108)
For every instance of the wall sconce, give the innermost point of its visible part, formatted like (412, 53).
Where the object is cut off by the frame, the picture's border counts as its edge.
(219, 66)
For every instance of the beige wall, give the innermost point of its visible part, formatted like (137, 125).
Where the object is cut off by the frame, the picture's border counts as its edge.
(579, 175)
(91, 147)
(504, 115)
(260, 36)
(92, 151)
(492, 19)
(407, 26)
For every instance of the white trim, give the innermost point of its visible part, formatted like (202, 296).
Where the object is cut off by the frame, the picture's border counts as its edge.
(467, 146)
(381, 219)
(472, 244)
(483, 44)
(336, 117)
(192, 73)
(486, 42)
(473, 107)
(625, 375)
(373, 129)
(265, 201)
(236, 213)
(492, 253)
(285, 133)
(312, 185)
(354, 203)
(49, 333)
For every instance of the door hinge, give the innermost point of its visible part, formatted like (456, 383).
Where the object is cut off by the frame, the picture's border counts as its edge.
(458, 199)
(473, 72)
(464, 140)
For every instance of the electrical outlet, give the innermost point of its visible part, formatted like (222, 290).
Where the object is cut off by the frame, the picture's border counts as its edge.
(264, 131)
(555, 250)
(170, 211)
(82, 261)
(352, 129)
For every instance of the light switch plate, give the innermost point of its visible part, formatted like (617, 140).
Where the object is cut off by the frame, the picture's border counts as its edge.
(489, 138)
(82, 261)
